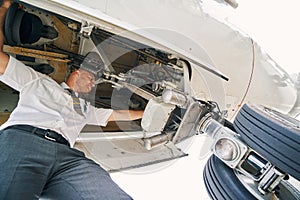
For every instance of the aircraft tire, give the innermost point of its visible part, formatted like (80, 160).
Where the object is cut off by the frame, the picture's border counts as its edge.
(221, 183)
(273, 135)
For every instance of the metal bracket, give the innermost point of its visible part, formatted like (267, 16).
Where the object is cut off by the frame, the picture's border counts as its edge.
(263, 172)
(86, 30)
(189, 122)
(270, 180)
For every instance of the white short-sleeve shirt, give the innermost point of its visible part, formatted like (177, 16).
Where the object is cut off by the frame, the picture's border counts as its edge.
(45, 104)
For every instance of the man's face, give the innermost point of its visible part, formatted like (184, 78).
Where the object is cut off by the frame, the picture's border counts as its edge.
(85, 81)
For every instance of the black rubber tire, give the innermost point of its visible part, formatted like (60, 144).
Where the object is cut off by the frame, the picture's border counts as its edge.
(221, 182)
(273, 135)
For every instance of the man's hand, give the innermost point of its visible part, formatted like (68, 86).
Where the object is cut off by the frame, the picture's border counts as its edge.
(3, 56)
(3, 9)
(6, 3)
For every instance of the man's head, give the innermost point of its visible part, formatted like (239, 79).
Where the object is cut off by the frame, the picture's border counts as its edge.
(82, 80)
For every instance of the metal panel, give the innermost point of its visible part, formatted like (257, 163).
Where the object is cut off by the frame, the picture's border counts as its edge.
(121, 155)
(187, 127)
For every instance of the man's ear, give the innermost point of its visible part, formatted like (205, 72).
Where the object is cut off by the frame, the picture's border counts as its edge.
(76, 74)
(71, 81)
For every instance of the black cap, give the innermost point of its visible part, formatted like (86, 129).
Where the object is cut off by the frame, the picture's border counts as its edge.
(93, 64)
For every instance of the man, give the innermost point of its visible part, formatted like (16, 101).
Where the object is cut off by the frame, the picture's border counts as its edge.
(37, 159)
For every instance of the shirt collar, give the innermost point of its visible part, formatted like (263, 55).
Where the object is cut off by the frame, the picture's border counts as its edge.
(65, 86)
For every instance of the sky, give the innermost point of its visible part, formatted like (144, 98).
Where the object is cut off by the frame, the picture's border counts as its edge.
(275, 26)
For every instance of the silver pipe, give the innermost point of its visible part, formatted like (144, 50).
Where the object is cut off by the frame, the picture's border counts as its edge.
(175, 98)
(157, 140)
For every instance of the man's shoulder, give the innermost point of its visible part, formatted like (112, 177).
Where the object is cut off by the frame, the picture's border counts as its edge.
(47, 80)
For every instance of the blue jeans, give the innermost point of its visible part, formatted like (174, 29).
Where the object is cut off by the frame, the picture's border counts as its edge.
(36, 168)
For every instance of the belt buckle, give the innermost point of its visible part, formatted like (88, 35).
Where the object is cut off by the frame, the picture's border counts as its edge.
(47, 136)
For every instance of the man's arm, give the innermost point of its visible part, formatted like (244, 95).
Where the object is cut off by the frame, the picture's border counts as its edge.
(4, 58)
(126, 115)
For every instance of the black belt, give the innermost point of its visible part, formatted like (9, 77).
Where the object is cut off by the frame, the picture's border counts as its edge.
(43, 133)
